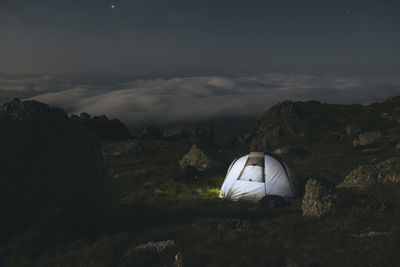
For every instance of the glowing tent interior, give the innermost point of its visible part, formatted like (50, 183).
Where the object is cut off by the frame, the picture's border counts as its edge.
(256, 175)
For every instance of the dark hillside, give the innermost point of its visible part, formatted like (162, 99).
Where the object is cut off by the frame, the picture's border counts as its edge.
(170, 215)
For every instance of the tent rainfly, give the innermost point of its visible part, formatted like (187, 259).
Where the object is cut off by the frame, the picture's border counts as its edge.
(256, 175)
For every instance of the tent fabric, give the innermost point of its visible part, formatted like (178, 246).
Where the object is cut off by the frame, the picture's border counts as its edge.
(252, 181)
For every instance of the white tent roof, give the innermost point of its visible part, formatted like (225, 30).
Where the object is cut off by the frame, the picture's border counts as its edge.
(255, 175)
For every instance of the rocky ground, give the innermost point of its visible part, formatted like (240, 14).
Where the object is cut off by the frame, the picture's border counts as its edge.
(346, 158)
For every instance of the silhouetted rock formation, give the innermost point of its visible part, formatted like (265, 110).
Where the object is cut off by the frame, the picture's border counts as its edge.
(50, 167)
(199, 135)
(103, 127)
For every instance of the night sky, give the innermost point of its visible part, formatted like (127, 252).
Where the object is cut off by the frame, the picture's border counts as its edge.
(139, 36)
(171, 61)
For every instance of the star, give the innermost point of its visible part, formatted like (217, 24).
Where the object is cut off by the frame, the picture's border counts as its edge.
(113, 6)
(348, 11)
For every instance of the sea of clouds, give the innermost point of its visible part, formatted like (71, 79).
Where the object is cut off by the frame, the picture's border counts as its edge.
(199, 98)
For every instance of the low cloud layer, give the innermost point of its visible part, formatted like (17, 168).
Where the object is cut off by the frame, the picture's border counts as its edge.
(161, 101)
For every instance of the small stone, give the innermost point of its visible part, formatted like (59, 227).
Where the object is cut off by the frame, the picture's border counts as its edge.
(281, 151)
(178, 260)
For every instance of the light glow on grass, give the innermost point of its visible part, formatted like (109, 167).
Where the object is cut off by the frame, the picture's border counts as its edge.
(210, 192)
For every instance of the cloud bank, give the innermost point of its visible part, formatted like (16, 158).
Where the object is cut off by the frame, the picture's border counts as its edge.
(164, 101)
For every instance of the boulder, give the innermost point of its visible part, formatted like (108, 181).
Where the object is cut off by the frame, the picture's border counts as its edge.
(270, 202)
(151, 132)
(196, 158)
(318, 200)
(352, 130)
(199, 135)
(368, 138)
(103, 127)
(51, 167)
(279, 121)
(389, 170)
(362, 176)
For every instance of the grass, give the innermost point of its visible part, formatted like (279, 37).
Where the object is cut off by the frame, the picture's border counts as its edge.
(154, 205)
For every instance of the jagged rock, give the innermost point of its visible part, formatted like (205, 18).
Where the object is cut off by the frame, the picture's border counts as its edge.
(150, 132)
(118, 148)
(389, 170)
(196, 158)
(51, 166)
(362, 176)
(199, 135)
(104, 128)
(352, 130)
(279, 121)
(367, 138)
(270, 202)
(318, 200)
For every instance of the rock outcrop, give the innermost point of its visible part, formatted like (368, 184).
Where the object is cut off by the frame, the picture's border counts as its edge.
(196, 158)
(103, 127)
(199, 135)
(362, 176)
(387, 171)
(318, 200)
(50, 167)
(280, 121)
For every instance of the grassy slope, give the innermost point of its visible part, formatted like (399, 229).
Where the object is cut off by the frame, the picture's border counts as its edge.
(154, 206)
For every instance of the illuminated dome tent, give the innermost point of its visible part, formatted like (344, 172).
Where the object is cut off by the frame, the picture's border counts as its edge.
(256, 175)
